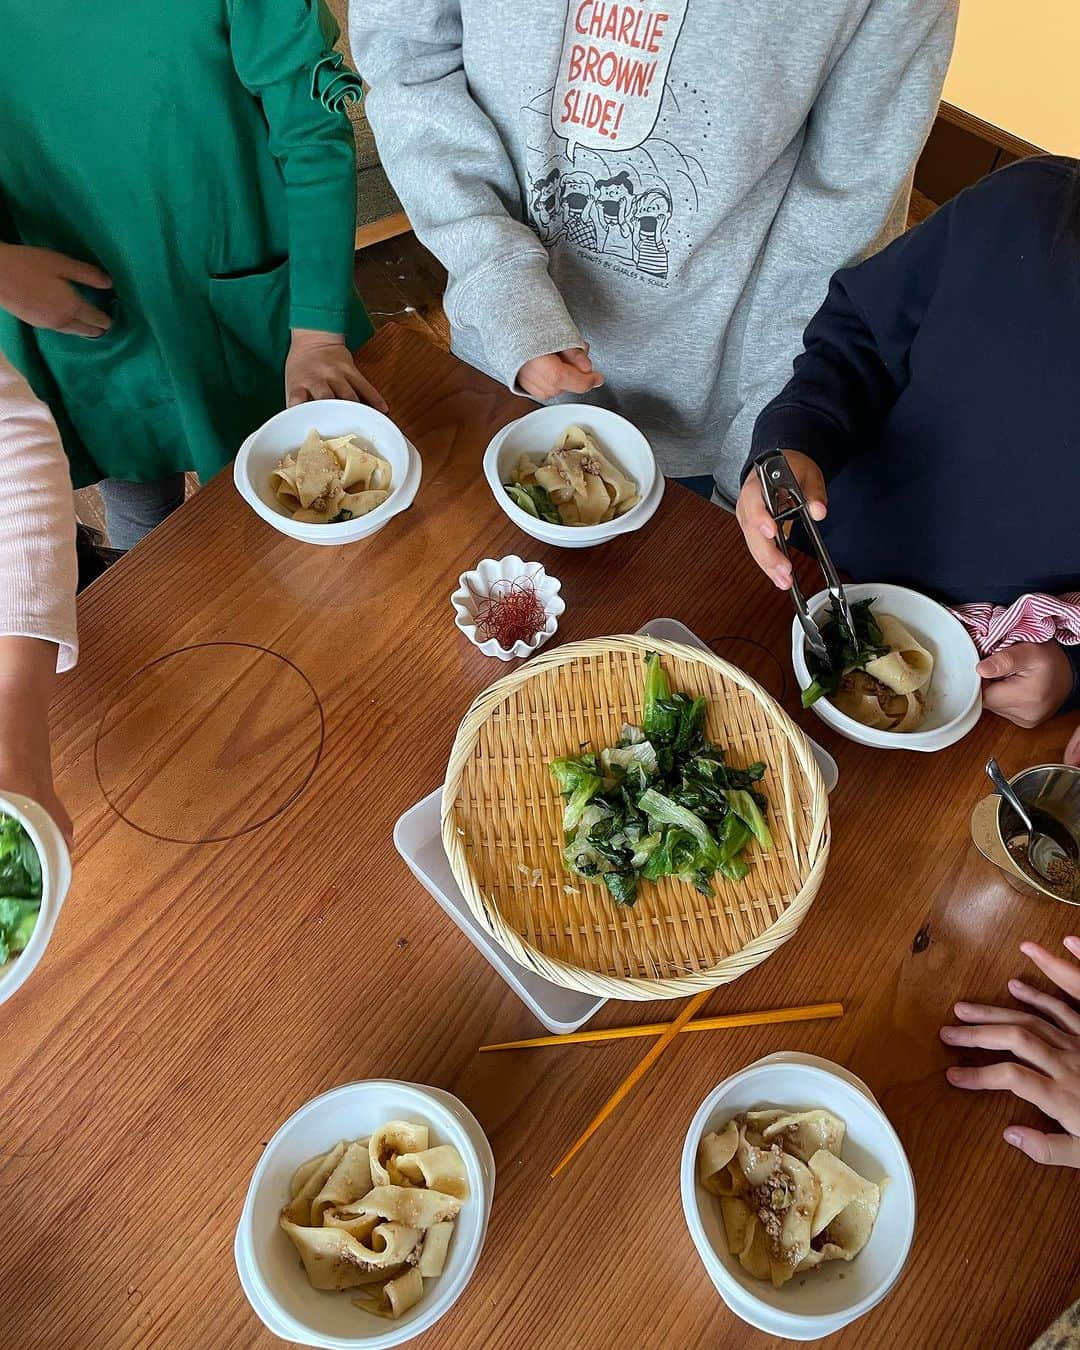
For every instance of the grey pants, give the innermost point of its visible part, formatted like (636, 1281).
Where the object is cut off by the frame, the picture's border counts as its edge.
(132, 510)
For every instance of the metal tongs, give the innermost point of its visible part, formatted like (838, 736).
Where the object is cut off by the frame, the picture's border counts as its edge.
(786, 501)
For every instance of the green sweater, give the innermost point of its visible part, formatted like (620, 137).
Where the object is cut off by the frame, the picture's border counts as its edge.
(198, 151)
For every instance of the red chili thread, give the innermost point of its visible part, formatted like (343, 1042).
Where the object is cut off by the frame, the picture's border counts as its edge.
(511, 612)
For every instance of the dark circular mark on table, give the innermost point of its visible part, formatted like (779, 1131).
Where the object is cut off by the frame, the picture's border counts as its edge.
(209, 742)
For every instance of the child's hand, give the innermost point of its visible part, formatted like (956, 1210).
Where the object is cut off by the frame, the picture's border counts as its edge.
(759, 528)
(35, 286)
(567, 372)
(33, 778)
(1072, 750)
(319, 365)
(1026, 683)
(1050, 1045)
(27, 677)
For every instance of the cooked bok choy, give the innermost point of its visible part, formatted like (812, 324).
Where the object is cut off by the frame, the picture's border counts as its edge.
(20, 887)
(662, 802)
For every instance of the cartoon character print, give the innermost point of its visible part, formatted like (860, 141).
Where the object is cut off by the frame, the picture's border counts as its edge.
(577, 197)
(650, 213)
(544, 206)
(614, 197)
(615, 145)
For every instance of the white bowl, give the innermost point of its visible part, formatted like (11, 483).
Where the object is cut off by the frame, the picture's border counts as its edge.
(258, 457)
(538, 432)
(55, 879)
(269, 1268)
(824, 1300)
(479, 583)
(954, 701)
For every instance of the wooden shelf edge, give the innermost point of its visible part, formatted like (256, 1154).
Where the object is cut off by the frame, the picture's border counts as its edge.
(387, 228)
(987, 131)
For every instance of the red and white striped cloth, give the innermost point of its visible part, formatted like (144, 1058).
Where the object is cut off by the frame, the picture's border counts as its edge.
(1032, 618)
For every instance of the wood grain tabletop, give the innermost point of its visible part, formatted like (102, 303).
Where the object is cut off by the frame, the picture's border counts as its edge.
(249, 718)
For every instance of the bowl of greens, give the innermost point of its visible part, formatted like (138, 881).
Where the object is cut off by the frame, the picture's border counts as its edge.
(35, 871)
(932, 696)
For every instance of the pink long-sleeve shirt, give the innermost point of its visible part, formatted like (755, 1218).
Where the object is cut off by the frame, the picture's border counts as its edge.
(37, 523)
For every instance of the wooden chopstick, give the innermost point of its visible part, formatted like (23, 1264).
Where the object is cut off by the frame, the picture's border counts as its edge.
(806, 1013)
(639, 1071)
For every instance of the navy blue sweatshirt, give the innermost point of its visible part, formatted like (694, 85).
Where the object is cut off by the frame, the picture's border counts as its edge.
(940, 394)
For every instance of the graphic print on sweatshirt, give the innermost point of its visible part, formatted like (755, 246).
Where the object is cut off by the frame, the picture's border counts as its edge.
(606, 176)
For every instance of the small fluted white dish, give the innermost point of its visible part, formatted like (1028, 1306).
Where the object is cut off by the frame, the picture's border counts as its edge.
(490, 573)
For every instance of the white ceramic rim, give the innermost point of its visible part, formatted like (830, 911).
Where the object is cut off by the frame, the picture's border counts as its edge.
(346, 531)
(651, 506)
(287, 1327)
(939, 738)
(583, 535)
(806, 1326)
(55, 879)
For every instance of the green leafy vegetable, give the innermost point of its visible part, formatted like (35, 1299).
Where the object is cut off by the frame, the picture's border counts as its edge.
(747, 810)
(534, 499)
(581, 796)
(20, 887)
(570, 772)
(662, 802)
(847, 651)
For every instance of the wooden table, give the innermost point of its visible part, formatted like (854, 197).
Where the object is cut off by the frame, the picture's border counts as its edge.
(196, 994)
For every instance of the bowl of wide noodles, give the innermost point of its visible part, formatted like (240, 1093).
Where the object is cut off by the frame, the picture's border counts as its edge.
(257, 473)
(815, 1302)
(271, 1272)
(952, 693)
(539, 433)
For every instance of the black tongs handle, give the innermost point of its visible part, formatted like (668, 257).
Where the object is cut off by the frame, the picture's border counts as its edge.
(786, 501)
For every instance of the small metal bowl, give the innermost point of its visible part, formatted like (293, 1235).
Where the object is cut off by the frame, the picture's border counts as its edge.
(1051, 788)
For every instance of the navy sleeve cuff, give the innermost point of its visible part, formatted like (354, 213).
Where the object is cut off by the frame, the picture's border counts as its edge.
(1072, 703)
(794, 426)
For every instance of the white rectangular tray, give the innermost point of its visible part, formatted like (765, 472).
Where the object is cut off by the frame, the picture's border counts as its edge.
(418, 838)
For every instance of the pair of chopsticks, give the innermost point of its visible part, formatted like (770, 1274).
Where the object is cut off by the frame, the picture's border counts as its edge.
(666, 1033)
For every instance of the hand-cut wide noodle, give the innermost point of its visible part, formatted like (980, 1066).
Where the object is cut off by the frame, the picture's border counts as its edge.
(377, 1212)
(330, 480)
(889, 692)
(585, 485)
(787, 1200)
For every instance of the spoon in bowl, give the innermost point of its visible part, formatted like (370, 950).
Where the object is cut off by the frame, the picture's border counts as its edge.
(1049, 844)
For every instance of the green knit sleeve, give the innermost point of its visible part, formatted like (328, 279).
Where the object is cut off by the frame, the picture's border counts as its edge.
(283, 53)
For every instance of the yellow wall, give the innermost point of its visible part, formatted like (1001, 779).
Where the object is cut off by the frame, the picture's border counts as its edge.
(1017, 65)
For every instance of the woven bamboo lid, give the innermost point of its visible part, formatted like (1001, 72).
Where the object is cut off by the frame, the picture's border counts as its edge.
(502, 825)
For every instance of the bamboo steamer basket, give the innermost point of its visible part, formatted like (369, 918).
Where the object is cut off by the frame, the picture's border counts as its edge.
(502, 826)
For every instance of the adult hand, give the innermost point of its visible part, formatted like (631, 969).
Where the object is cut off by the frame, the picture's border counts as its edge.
(1050, 1045)
(1027, 682)
(567, 372)
(319, 365)
(759, 528)
(1072, 750)
(36, 286)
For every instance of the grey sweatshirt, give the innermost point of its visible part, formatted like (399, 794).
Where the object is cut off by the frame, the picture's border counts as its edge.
(672, 181)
